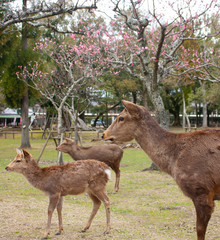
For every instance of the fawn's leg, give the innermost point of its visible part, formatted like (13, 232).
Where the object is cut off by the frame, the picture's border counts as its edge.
(102, 195)
(96, 205)
(204, 208)
(53, 201)
(59, 212)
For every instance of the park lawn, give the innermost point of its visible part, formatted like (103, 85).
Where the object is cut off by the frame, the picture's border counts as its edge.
(149, 205)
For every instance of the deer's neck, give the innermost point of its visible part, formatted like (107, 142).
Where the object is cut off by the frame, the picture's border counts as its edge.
(34, 175)
(76, 154)
(158, 143)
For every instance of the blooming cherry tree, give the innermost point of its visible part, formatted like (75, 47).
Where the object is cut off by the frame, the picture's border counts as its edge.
(76, 65)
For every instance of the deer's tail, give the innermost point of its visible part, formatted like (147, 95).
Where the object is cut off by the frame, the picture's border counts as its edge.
(108, 172)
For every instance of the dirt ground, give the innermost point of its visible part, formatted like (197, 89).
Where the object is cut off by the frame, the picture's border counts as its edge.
(156, 214)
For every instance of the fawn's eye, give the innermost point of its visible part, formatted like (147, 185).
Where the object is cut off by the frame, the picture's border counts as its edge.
(18, 161)
(121, 119)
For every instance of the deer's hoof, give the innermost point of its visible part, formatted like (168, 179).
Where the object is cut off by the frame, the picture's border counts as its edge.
(83, 231)
(58, 233)
(106, 232)
(46, 236)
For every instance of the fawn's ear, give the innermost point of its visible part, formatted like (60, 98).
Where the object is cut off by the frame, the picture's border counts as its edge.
(26, 154)
(19, 151)
(69, 140)
(133, 109)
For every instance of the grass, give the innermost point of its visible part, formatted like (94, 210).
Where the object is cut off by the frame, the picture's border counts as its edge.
(149, 205)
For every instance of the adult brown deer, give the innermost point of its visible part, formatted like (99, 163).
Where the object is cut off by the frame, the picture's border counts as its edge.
(73, 178)
(192, 159)
(110, 154)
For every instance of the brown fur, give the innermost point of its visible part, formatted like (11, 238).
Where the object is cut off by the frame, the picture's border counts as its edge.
(192, 159)
(109, 154)
(70, 179)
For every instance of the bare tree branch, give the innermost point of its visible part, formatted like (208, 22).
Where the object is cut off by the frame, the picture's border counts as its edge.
(41, 11)
(157, 56)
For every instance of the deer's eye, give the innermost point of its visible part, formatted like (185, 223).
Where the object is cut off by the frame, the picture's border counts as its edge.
(18, 161)
(121, 119)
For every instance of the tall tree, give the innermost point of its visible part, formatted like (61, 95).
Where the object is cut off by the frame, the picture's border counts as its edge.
(25, 141)
(152, 40)
(33, 14)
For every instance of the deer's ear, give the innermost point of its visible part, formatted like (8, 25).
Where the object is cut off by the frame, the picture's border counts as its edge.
(69, 140)
(133, 109)
(26, 154)
(19, 151)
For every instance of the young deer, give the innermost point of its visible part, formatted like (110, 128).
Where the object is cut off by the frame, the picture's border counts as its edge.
(109, 154)
(192, 159)
(72, 178)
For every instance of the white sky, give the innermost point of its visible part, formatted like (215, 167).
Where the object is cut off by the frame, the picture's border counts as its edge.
(105, 6)
(162, 6)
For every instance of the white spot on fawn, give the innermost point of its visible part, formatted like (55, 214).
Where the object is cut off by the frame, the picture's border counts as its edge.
(108, 171)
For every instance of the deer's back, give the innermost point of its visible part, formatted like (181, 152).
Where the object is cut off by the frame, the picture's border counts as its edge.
(104, 153)
(75, 177)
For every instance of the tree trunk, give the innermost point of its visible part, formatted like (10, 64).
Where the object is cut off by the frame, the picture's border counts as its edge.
(134, 95)
(184, 111)
(204, 111)
(59, 131)
(25, 140)
(185, 116)
(76, 130)
(197, 119)
(176, 119)
(160, 113)
(205, 115)
(144, 95)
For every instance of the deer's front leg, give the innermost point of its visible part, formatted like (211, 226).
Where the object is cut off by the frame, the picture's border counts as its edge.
(204, 208)
(53, 201)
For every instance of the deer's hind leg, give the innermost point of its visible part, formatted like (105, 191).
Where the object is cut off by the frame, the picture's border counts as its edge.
(96, 205)
(102, 195)
(117, 178)
(59, 212)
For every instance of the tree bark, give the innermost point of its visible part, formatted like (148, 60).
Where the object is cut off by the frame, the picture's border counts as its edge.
(157, 101)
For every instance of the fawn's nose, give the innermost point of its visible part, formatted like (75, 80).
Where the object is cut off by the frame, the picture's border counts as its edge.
(6, 168)
(102, 137)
